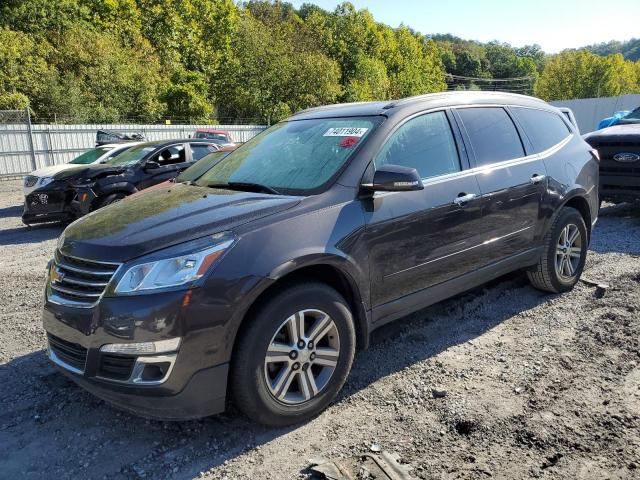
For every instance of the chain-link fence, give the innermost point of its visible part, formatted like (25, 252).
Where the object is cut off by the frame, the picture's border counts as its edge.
(25, 147)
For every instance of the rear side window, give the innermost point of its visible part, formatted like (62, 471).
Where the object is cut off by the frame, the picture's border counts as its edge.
(493, 135)
(545, 129)
(199, 151)
(424, 143)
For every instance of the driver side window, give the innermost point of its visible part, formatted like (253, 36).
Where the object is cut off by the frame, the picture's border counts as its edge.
(171, 155)
(425, 143)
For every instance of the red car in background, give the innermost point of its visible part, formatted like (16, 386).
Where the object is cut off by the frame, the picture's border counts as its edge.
(222, 137)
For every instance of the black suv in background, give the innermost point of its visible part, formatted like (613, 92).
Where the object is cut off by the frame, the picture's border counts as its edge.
(259, 280)
(78, 191)
(619, 150)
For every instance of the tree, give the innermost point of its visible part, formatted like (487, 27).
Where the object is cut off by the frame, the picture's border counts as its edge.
(24, 70)
(418, 68)
(369, 82)
(99, 80)
(267, 77)
(582, 74)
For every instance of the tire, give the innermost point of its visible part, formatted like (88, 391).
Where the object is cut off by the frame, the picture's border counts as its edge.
(110, 199)
(254, 381)
(552, 274)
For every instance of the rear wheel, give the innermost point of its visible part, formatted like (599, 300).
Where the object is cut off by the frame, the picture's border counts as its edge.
(565, 253)
(294, 356)
(110, 199)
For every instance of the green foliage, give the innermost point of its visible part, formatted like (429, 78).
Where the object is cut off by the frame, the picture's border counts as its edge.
(582, 74)
(13, 101)
(109, 60)
(268, 78)
(187, 97)
(630, 50)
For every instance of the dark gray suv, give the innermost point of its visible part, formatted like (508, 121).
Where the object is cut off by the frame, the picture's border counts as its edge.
(258, 282)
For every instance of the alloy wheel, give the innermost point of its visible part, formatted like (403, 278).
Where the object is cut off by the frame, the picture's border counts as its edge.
(302, 357)
(568, 251)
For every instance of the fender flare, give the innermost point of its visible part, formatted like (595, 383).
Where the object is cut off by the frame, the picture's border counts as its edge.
(576, 191)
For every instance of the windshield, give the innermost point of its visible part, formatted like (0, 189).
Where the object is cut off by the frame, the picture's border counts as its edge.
(90, 156)
(132, 156)
(196, 170)
(295, 156)
(633, 117)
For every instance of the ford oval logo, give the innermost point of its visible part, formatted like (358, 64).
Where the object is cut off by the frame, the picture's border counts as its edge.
(626, 157)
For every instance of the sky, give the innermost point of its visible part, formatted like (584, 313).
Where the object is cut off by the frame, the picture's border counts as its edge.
(552, 24)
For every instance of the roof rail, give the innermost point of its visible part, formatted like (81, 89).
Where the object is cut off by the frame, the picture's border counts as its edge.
(428, 96)
(332, 106)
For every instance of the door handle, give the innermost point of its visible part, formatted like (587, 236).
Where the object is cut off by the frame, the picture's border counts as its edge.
(464, 198)
(537, 178)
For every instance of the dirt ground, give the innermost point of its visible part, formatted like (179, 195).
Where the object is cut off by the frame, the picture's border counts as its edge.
(537, 385)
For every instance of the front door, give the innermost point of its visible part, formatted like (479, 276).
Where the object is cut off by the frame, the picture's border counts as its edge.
(421, 238)
(170, 160)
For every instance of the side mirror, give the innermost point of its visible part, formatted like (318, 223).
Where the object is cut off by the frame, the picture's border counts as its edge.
(394, 178)
(151, 165)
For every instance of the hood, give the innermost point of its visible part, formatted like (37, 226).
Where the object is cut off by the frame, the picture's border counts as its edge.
(161, 218)
(89, 171)
(616, 133)
(54, 169)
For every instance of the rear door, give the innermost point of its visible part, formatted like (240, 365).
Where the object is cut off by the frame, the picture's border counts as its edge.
(512, 183)
(421, 238)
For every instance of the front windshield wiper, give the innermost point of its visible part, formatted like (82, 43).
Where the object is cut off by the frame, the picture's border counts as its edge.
(245, 186)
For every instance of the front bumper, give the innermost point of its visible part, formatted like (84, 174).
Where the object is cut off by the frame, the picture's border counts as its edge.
(195, 384)
(46, 206)
(619, 187)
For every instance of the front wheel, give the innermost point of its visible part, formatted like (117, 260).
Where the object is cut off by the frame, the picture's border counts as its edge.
(294, 356)
(565, 253)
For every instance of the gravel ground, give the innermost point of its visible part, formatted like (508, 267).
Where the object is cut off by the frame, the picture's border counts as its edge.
(537, 385)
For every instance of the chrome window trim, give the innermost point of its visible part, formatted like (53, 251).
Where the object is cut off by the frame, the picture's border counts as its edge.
(491, 167)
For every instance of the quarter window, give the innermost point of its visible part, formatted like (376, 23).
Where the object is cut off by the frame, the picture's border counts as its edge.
(545, 129)
(424, 143)
(493, 135)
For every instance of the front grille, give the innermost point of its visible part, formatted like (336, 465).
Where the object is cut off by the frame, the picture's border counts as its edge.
(116, 367)
(608, 150)
(70, 354)
(30, 181)
(80, 281)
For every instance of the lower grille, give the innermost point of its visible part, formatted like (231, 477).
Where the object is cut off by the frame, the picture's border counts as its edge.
(68, 353)
(116, 367)
(80, 281)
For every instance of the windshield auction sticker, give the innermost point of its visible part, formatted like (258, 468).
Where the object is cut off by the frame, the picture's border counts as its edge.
(345, 132)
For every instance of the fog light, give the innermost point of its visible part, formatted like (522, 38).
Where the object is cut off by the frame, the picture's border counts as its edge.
(144, 348)
(84, 197)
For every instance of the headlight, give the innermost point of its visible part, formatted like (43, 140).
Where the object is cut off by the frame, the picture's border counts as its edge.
(45, 181)
(178, 270)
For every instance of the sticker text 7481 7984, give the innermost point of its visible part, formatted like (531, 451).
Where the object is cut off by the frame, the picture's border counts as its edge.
(346, 132)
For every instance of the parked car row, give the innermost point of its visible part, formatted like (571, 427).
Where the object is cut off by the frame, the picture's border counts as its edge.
(109, 172)
(256, 278)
